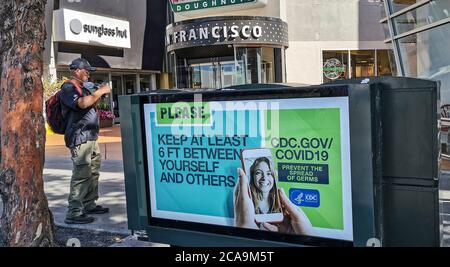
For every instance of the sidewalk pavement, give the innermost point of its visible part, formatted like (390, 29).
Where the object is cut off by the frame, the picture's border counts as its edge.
(57, 174)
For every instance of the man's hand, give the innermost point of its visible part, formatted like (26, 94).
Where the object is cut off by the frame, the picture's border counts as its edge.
(244, 210)
(104, 89)
(91, 100)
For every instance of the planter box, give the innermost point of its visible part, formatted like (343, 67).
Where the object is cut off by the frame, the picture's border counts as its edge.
(106, 123)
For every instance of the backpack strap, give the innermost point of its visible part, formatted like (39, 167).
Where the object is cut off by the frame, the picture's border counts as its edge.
(77, 86)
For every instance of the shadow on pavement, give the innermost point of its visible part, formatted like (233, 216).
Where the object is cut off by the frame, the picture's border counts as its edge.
(57, 175)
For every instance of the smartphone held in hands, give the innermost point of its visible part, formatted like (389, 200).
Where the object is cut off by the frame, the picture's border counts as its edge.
(263, 189)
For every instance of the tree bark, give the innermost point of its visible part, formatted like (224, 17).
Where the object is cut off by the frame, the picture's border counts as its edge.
(26, 218)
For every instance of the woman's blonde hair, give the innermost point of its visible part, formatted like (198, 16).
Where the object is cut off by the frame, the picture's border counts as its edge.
(257, 195)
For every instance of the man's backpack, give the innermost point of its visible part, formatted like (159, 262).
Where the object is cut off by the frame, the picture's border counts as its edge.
(54, 112)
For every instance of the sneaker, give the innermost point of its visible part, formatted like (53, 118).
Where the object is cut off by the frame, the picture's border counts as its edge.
(97, 210)
(82, 219)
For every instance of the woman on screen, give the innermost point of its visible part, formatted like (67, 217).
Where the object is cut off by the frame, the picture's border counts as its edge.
(262, 184)
(263, 187)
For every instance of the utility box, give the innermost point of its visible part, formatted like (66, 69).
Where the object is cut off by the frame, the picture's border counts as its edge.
(407, 193)
(331, 148)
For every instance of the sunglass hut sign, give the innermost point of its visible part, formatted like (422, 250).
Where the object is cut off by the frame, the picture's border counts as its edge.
(192, 5)
(76, 26)
(80, 27)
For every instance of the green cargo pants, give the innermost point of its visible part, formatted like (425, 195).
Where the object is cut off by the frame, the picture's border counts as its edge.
(86, 160)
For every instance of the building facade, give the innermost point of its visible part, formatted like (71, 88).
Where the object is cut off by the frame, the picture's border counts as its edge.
(123, 39)
(140, 45)
(306, 42)
(420, 35)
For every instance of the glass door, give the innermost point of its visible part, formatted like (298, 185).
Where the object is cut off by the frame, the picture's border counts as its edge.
(363, 63)
(251, 57)
(130, 84)
(227, 74)
(203, 76)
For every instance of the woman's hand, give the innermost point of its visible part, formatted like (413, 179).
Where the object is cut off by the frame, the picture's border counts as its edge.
(244, 210)
(295, 220)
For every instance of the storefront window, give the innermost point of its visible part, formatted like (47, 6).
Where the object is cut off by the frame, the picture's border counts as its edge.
(362, 63)
(145, 82)
(130, 84)
(335, 65)
(383, 63)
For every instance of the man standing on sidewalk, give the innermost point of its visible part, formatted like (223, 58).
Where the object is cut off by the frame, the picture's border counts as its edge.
(81, 134)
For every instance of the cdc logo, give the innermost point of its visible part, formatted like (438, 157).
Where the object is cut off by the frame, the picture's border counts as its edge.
(305, 197)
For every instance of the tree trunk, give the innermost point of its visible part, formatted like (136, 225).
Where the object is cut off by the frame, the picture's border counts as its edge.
(26, 218)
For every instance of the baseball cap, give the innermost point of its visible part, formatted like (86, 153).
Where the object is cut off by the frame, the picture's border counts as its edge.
(81, 63)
